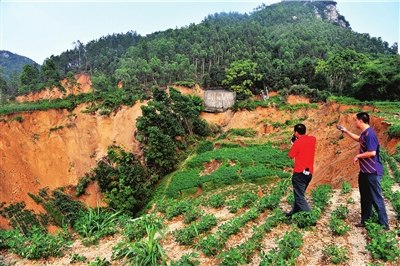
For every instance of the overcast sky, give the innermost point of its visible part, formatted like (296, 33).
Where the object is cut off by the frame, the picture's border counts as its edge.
(39, 29)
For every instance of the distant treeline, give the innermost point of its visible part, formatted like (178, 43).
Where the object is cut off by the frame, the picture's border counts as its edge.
(277, 46)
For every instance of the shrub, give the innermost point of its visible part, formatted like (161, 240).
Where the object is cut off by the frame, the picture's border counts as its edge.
(124, 181)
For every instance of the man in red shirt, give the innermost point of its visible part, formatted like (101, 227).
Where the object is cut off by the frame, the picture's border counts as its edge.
(303, 152)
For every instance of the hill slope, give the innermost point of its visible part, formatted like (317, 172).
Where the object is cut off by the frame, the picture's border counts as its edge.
(13, 63)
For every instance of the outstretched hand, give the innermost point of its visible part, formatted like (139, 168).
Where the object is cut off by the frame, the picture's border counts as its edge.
(341, 128)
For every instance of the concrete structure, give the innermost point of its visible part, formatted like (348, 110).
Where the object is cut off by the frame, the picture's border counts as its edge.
(218, 100)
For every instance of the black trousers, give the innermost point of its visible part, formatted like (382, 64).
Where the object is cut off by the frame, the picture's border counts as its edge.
(300, 183)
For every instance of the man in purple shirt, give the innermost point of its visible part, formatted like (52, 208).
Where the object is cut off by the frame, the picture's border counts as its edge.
(371, 171)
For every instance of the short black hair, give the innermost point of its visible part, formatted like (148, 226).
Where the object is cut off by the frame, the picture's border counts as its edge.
(363, 116)
(300, 128)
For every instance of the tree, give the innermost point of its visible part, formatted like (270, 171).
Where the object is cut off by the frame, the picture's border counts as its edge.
(3, 87)
(372, 83)
(341, 68)
(28, 78)
(49, 74)
(241, 77)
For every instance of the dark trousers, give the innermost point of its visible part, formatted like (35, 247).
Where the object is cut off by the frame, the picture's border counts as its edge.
(300, 183)
(371, 195)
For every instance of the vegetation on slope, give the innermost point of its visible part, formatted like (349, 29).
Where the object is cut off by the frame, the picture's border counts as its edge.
(288, 43)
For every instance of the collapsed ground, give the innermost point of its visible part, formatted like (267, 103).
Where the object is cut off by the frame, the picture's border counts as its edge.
(333, 166)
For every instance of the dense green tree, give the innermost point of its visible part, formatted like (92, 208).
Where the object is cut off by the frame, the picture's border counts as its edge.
(123, 180)
(166, 125)
(29, 78)
(378, 79)
(3, 87)
(286, 40)
(341, 68)
(241, 77)
(49, 74)
(102, 82)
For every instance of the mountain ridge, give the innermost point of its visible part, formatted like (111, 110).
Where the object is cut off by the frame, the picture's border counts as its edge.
(13, 63)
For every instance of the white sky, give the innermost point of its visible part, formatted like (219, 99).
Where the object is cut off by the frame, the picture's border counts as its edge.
(38, 29)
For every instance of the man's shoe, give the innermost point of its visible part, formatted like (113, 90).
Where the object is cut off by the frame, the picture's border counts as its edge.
(359, 225)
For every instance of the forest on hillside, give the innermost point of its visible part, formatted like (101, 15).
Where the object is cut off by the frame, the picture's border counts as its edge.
(275, 47)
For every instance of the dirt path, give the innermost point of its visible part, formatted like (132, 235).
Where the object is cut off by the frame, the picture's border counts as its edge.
(358, 255)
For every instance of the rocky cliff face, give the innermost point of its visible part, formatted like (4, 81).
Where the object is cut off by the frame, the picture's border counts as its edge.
(329, 12)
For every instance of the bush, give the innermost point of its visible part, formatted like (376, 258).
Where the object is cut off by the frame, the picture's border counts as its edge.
(124, 181)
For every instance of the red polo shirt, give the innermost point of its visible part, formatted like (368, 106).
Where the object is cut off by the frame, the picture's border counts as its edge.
(303, 152)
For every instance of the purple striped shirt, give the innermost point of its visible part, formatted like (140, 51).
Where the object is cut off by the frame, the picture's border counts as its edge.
(369, 142)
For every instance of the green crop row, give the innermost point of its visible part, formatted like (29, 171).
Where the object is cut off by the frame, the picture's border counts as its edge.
(243, 253)
(186, 235)
(286, 252)
(238, 165)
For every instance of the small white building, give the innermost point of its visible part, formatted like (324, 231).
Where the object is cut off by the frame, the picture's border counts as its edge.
(216, 101)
